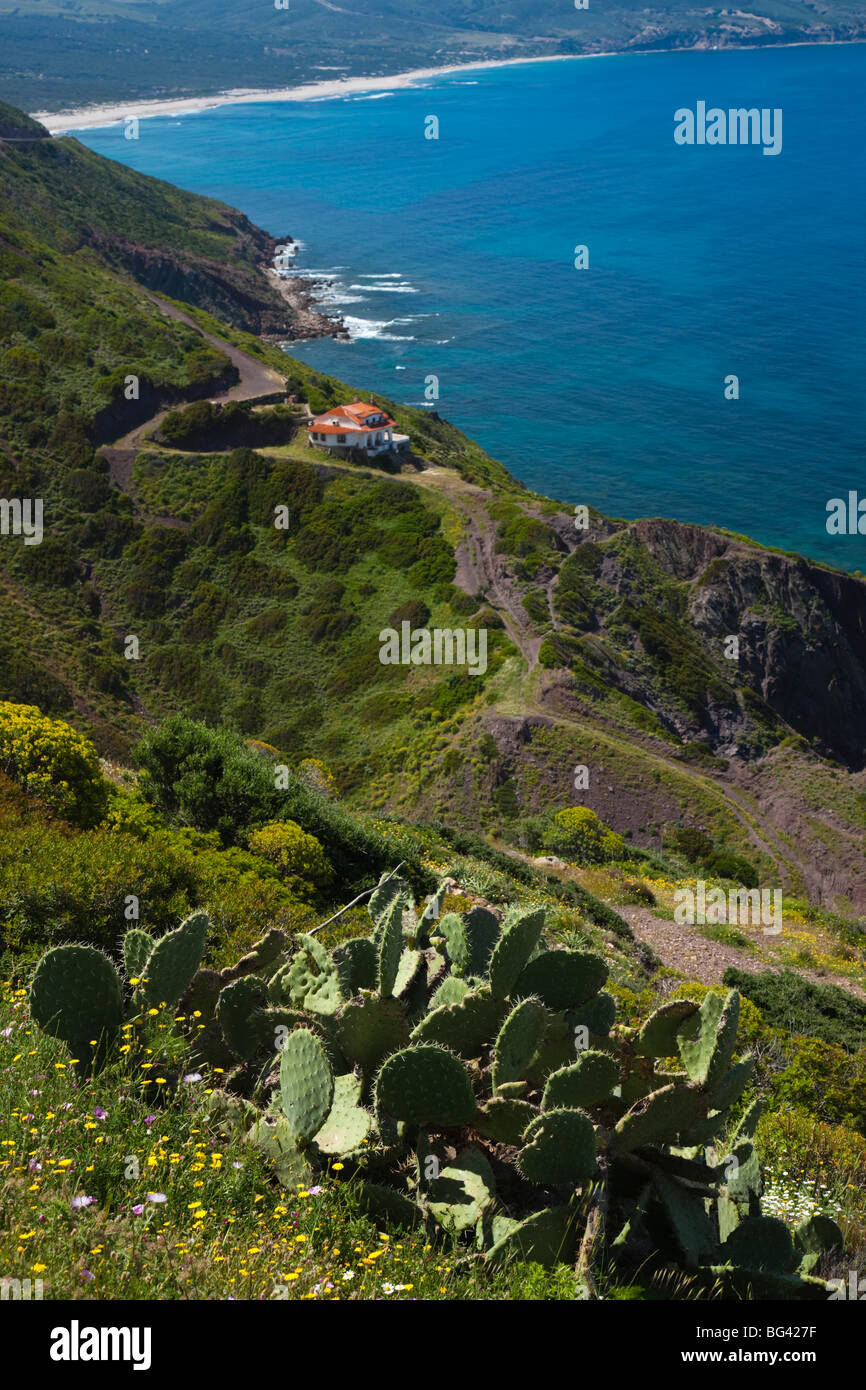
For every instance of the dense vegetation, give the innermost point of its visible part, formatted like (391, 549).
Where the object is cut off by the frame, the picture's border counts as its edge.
(98, 51)
(194, 719)
(204, 825)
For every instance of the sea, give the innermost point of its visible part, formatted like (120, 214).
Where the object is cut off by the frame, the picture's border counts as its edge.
(649, 327)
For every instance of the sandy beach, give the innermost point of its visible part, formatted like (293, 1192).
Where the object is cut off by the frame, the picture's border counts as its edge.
(90, 117)
(93, 117)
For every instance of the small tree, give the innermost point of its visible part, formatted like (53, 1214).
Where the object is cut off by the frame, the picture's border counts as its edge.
(578, 833)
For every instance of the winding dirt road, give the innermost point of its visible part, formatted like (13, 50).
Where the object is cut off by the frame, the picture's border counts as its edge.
(254, 379)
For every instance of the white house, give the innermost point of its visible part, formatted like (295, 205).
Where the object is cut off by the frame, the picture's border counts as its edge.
(360, 425)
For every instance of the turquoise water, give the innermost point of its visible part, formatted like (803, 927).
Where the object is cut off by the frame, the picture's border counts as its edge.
(454, 259)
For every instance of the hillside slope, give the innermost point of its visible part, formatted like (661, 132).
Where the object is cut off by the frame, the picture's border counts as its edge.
(606, 645)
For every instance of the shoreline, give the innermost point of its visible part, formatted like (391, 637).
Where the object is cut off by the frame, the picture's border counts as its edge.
(96, 117)
(112, 113)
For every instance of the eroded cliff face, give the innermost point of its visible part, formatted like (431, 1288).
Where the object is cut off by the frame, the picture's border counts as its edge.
(723, 643)
(801, 629)
(236, 294)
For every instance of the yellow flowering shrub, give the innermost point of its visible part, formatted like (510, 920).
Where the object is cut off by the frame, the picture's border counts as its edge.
(298, 856)
(53, 762)
(579, 834)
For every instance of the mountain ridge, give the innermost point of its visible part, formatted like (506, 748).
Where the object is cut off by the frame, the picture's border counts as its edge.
(98, 51)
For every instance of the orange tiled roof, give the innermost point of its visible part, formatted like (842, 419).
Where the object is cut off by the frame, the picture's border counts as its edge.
(356, 414)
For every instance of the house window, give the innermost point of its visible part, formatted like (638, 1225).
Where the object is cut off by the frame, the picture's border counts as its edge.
(341, 439)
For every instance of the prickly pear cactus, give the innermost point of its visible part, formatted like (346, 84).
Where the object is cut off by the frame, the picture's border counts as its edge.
(137, 946)
(173, 961)
(306, 1084)
(474, 1079)
(76, 995)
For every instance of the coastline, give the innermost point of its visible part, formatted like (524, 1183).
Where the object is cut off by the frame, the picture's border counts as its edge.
(93, 117)
(96, 117)
(309, 319)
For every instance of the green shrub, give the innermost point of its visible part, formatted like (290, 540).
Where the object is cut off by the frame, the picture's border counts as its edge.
(415, 611)
(317, 777)
(788, 1001)
(697, 847)
(826, 1080)
(209, 779)
(791, 1138)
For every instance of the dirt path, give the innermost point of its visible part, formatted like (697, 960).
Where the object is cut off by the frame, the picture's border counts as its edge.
(683, 948)
(479, 568)
(254, 379)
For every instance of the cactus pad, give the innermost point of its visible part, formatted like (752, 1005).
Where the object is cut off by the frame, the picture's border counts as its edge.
(707, 1039)
(237, 1004)
(425, 1084)
(276, 1143)
(137, 946)
(692, 1227)
(306, 1084)
(588, 1081)
(463, 1191)
(264, 952)
(385, 1204)
(451, 991)
(429, 916)
(733, 1084)
(598, 1016)
(659, 1118)
(407, 969)
(355, 960)
(547, 1237)
(761, 1243)
(383, 899)
(390, 949)
(75, 995)
(563, 979)
(559, 1147)
(818, 1234)
(310, 981)
(463, 1027)
(174, 960)
(453, 929)
(658, 1036)
(519, 1039)
(512, 952)
(348, 1124)
(504, 1119)
(482, 932)
(369, 1028)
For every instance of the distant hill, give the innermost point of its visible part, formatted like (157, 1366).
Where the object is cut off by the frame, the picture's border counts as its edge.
(55, 54)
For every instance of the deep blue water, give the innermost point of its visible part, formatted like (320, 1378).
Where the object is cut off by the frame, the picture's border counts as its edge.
(454, 258)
